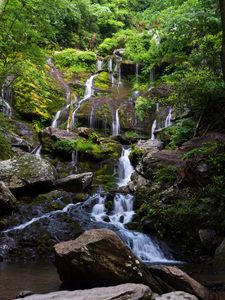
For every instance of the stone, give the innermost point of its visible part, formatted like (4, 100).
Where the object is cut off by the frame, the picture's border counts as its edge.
(176, 296)
(209, 238)
(120, 292)
(27, 174)
(84, 131)
(75, 182)
(24, 294)
(98, 257)
(7, 200)
(176, 279)
(219, 257)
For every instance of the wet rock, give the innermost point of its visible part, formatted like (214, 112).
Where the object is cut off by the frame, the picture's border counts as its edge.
(28, 174)
(75, 182)
(119, 292)
(173, 278)
(176, 296)
(24, 294)
(99, 258)
(7, 200)
(85, 132)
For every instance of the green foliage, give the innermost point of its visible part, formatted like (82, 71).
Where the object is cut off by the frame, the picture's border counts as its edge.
(143, 107)
(102, 81)
(136, 154)
(175, 135)
(166, 174)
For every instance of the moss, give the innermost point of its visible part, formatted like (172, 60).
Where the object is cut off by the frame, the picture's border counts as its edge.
(102, 81)
(136, 154)
(5, 147)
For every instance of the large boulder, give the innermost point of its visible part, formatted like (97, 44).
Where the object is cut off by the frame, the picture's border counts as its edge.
(99, 258)
(74, 183)
(7, 200)
(219, 257)
(27, 174)
(120, 292)
(172, 278)
(176, 296)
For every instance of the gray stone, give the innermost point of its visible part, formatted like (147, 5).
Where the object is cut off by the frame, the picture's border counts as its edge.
(75, 182)
(219, 257)
(119, 292)
(98, 257)
(208, 238)
(7, 200)
(176, 296)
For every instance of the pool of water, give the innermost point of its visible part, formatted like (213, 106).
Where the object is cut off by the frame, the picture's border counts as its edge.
(35, 277)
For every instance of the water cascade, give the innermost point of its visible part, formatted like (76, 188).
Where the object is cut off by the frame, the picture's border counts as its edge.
(55, 120)
(74, 159)
(119, 76)
(91, 121)
(125, 169)
(140, 244)
(110, 65)
(151, 78)
(88, 93)
(168, 118)
(100, 64)
(5, 107)
(154, 124)
(137, 72)
(116, 124)
(37, 150)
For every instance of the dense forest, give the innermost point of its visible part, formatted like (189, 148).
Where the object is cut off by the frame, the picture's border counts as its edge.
(79, 80)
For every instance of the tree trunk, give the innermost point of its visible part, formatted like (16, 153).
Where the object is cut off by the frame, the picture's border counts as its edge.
(222, 12)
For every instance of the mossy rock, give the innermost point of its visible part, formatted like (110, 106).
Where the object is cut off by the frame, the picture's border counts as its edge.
(102, 81)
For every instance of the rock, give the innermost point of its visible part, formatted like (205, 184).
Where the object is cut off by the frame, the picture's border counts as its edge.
(209, 238)
(99, 258)
(7, 200)
(28, 174)
(176, 296)
(24, 294)
(75, 182)
(175, 279)
(219, 257)
(84, 131)
(120, 292)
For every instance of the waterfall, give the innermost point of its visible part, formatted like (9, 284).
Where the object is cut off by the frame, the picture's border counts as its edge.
(140, 244)
(91, 122)
(168, 118)
(116, 124)
(137, 72)
(87, 94)
(157, 106)
(110, 64)
(74, 160)
(99, 65)
(125, 169)
(154, 124)
(151, 78)
(119, 76)
(55, 120)
(37, 150)
(6, 108)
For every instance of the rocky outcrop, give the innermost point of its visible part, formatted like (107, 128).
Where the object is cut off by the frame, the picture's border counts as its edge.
(119, 292)
(176, 296)
(74, 183)
(27, 174)
(7, 200)
(99, 258)
(172, 278)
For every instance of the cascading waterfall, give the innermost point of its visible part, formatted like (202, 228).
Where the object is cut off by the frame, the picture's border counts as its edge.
(37, 150)
(88, 93)
(116, 124)
(5, 107)
(74, 160)
(100, 64)
(125, 168)
(168, 118)
(119, 76)
(55, 120)
(110, 65)
(151, 78)
(140, 244)
(91, 121)
(154, 124)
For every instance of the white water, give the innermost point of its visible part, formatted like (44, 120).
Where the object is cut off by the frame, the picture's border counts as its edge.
(37, 150)
(6, 108)
(91, 121)
(151, 78)
(116, 124)
(119, 76)
(140, 244)
(48, 215)
(100, 64)
(157, 106)
(125, 169)
(168, 118)
(55, 120)
(110, 65)
(74, 160)
(88, 93)
(154, 124)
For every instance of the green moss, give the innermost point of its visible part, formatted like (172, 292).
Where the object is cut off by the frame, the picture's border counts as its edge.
(5, 147)
(136, 154)
(102, 81)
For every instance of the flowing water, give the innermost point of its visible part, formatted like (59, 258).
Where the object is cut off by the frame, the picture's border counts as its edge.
(168, 118)
(116, 124)
(154, 124)
(5, 107)
(125, 168)
(100, 64)
(89, 92)
(110, 65)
